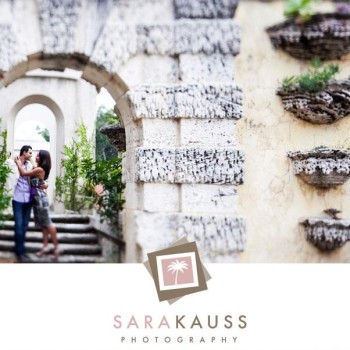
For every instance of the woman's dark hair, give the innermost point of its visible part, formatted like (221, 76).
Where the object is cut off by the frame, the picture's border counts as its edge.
(45, 162)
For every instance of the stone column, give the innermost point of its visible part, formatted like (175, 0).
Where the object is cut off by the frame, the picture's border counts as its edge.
(182, 164)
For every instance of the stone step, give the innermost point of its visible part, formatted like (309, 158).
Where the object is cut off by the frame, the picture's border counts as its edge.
(61, 227)
(64, 218)
(64, 249)
(33, 236)
(8, 257)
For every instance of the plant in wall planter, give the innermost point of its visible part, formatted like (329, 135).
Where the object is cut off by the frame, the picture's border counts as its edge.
(322, 167)
(315, 96)
(327, 233)
(306, 34)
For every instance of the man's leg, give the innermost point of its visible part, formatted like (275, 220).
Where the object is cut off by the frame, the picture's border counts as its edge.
(27, 209)
(19, 229)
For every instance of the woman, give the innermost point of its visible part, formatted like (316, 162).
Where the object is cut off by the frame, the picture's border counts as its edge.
(41, 204)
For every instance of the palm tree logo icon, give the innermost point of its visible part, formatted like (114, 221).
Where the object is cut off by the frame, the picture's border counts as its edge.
(177, 266)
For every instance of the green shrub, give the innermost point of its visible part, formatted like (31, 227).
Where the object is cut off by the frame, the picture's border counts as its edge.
(299, 8)
(5, 170)
(73, 188)
(108, 174)
(315, 80)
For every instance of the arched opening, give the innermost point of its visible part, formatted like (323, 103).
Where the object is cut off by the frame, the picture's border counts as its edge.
(35, 125)
(53, 117)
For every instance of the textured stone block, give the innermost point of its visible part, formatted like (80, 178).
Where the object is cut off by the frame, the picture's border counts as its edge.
(218, 237)
(208, 133)
(189, 165)
(134, 193)
(187, 101)
(128, 166)
(154, 69)
(10, 50)
(189, 36)
(133, 135)
(197, 165)
(160, 132)
(58, 24)
(155, 165)
(207, 36)
(161, 197)
(206, 68)
(209, 198)
(156, 39)
(205, 8)
(111, 51)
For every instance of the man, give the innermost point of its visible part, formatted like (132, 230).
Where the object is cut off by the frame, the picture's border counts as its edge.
(22, 204)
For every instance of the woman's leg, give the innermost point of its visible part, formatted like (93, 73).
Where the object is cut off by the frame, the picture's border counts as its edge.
(53, 233)
(45, 249)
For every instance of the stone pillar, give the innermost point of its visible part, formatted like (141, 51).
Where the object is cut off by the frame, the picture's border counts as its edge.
(182, 164)
(182, 171)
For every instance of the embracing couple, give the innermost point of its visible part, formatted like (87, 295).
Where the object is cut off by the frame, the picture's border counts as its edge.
(30, 192)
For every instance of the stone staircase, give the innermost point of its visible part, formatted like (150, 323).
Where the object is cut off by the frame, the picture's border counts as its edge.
(78, 240)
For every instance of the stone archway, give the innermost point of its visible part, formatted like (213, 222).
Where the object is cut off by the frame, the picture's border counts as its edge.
(170, 73)
(58, 138)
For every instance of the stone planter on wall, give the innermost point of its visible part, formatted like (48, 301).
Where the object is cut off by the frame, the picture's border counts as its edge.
(116, 136)
(322, 107)
(326, 36)
(322, 167)
(326, 233)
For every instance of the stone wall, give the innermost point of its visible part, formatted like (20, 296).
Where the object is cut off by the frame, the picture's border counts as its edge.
(273, 199)
(206, 135)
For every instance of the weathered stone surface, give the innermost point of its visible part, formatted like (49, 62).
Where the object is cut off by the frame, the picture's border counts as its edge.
(116, 135)
(145, 11)
(58, 23)
(325, 233)
(160, 133)
(207, 36)
(111, 51)
(155, 165)
(201, 68)
(326, 36)
(187, 101)
(207, 133)
(157, 39)
(161, 197)
(10, 50)
(189, 165)
(197, 165)
(155, 69)
(206, 198)
(322, 167)
(218, 237)
(205, 8)
(323, 107)
(189, 36)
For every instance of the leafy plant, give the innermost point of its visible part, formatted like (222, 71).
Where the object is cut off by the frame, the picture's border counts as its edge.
(73, 187)
(43, 132)
(315, 80)
(108, 175)
(300, 8)
(5, 171)
(104, 149)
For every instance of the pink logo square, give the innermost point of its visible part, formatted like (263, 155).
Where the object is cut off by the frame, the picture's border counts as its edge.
(177, 271)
